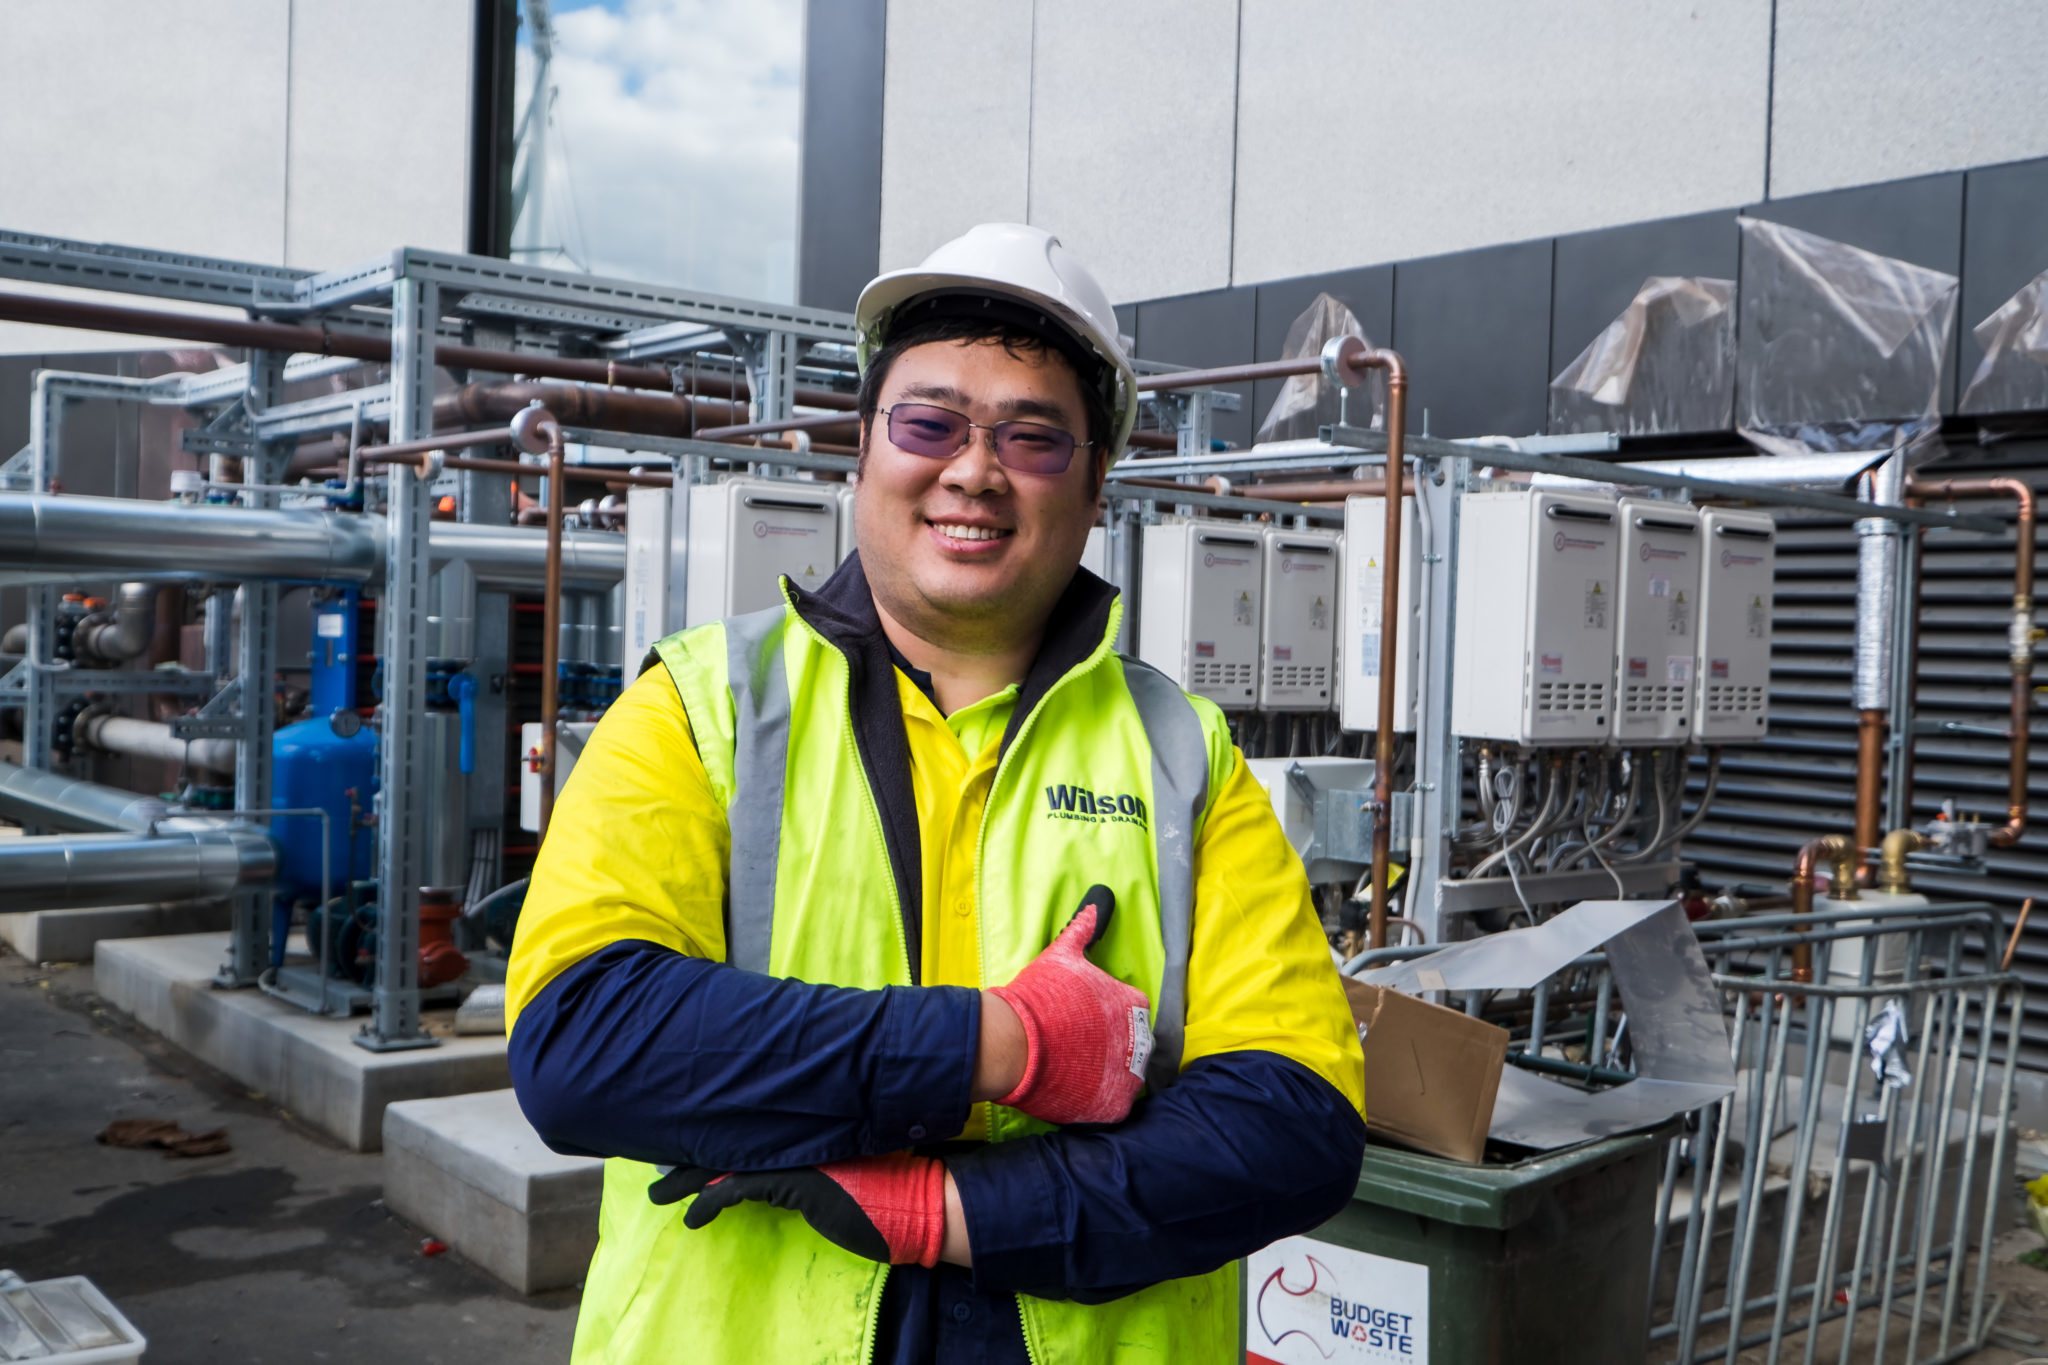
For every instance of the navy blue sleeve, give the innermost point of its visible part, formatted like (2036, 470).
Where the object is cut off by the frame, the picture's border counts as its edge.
(1245, 1148)
(639, 1051)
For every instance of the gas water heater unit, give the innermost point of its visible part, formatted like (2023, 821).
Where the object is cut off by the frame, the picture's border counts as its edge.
(1201, 597)
(746, 533)
(1298, 644)
(1657, 627)
(1534, 660)
(1738, 557)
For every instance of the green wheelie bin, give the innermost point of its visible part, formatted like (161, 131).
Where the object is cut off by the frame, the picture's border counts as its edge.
(1437, 1262)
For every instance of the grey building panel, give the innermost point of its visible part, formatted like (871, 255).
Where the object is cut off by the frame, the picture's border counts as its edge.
(1474, 328)
(1215, 328)
(1368, 293)
(1599, 273)
(2005, 245)
(839, 191)
(1918, 220)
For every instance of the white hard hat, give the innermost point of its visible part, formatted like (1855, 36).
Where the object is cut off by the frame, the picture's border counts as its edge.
(1014, 261)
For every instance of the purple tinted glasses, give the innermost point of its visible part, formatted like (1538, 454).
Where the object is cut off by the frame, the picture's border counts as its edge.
(941, 433)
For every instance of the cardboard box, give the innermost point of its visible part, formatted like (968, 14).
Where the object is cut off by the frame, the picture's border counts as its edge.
(1431, 1073)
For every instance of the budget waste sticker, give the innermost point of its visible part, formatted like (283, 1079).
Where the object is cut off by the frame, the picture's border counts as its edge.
(1309, 1302)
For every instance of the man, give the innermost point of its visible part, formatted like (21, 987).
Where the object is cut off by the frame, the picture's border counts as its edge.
(863, 921)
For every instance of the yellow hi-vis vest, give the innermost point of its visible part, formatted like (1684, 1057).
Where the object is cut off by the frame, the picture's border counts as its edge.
(1107, 779)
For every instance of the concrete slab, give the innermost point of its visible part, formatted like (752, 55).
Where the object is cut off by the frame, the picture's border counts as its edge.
(304, 1062)
(471, 1170)
(70, 935)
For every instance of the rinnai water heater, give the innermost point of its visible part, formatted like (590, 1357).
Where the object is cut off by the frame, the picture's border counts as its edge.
(746, 533)
(1656, 628)
(1738, 559)
(1297, 650)
(1534, 661)
(1201, 592)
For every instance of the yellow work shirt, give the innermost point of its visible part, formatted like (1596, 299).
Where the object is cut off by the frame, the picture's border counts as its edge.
(638, 849)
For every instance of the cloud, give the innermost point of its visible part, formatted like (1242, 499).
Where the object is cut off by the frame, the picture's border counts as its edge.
(673, 148)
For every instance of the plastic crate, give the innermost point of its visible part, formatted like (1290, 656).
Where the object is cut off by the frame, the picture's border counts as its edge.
(64, 1321)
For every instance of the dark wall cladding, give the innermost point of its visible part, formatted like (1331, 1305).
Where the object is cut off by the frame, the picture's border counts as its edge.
(1800, 782)
(839, 182)
(1206, 330)
(2005, 245)
(1918, 220)
(1597, 274)
(1368, 293)
(1475, 331)
(1465, 321)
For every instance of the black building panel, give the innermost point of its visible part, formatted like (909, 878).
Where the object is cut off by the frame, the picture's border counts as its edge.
(2005, 245)
(1204, 330)
(1918, 220)
(1368, 293)
(839, 178)
(1474, 328)
(1599, 273)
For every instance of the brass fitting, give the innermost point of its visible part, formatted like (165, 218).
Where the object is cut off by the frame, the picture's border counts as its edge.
(1893, 877)
(1843, 858)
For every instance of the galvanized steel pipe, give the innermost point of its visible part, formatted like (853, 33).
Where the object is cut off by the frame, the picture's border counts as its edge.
(47, 538)
(32, 797)
(71, 871)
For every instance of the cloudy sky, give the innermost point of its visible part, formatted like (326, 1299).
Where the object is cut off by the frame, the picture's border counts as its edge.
(672, 152)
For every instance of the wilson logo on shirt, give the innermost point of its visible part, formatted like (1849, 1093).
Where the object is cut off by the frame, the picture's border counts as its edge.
(1078, 803)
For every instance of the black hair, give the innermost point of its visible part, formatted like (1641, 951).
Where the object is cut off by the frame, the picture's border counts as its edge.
(1016, 327)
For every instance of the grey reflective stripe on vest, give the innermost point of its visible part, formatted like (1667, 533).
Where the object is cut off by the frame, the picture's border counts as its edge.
(1180, 792)
(760, 758)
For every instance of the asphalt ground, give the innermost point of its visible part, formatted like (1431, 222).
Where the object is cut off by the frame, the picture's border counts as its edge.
(278, 1250)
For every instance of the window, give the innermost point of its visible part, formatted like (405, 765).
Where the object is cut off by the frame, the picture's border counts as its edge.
(657, 140)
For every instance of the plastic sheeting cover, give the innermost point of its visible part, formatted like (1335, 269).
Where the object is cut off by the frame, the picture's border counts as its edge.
(1666, 364)
(2014, 372)
(1309, 402)
(1834, 333)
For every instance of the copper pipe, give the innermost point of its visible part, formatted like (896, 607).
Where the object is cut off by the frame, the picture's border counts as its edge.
(2019, 635)
(294, 339)
(1870, 730)
(810, 423)
(1390, 619)
(1235, 374)
(583, 405)
(415, 452)
(1833, 847)
(2012, 945)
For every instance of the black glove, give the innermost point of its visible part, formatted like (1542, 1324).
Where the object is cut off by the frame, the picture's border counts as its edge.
(886, 1208)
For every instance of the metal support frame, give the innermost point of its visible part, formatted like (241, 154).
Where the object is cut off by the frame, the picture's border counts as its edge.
(255, 668)
(1439, 485)
(401, 816)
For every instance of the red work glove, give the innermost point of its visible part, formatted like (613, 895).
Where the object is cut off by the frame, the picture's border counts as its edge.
(886, 1208)
(1087, 1034)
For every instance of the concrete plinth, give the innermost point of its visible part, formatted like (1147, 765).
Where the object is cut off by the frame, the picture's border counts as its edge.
(70, 935)
(304, 1062)
(470, 1170)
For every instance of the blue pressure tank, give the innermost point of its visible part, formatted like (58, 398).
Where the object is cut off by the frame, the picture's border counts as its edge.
(313, 766)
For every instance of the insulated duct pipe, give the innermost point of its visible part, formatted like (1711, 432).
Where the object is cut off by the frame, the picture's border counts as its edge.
(1877, 576)
(70, 871)
(2019, 635)
(46, 538)
(39, 798)
(152, 739)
